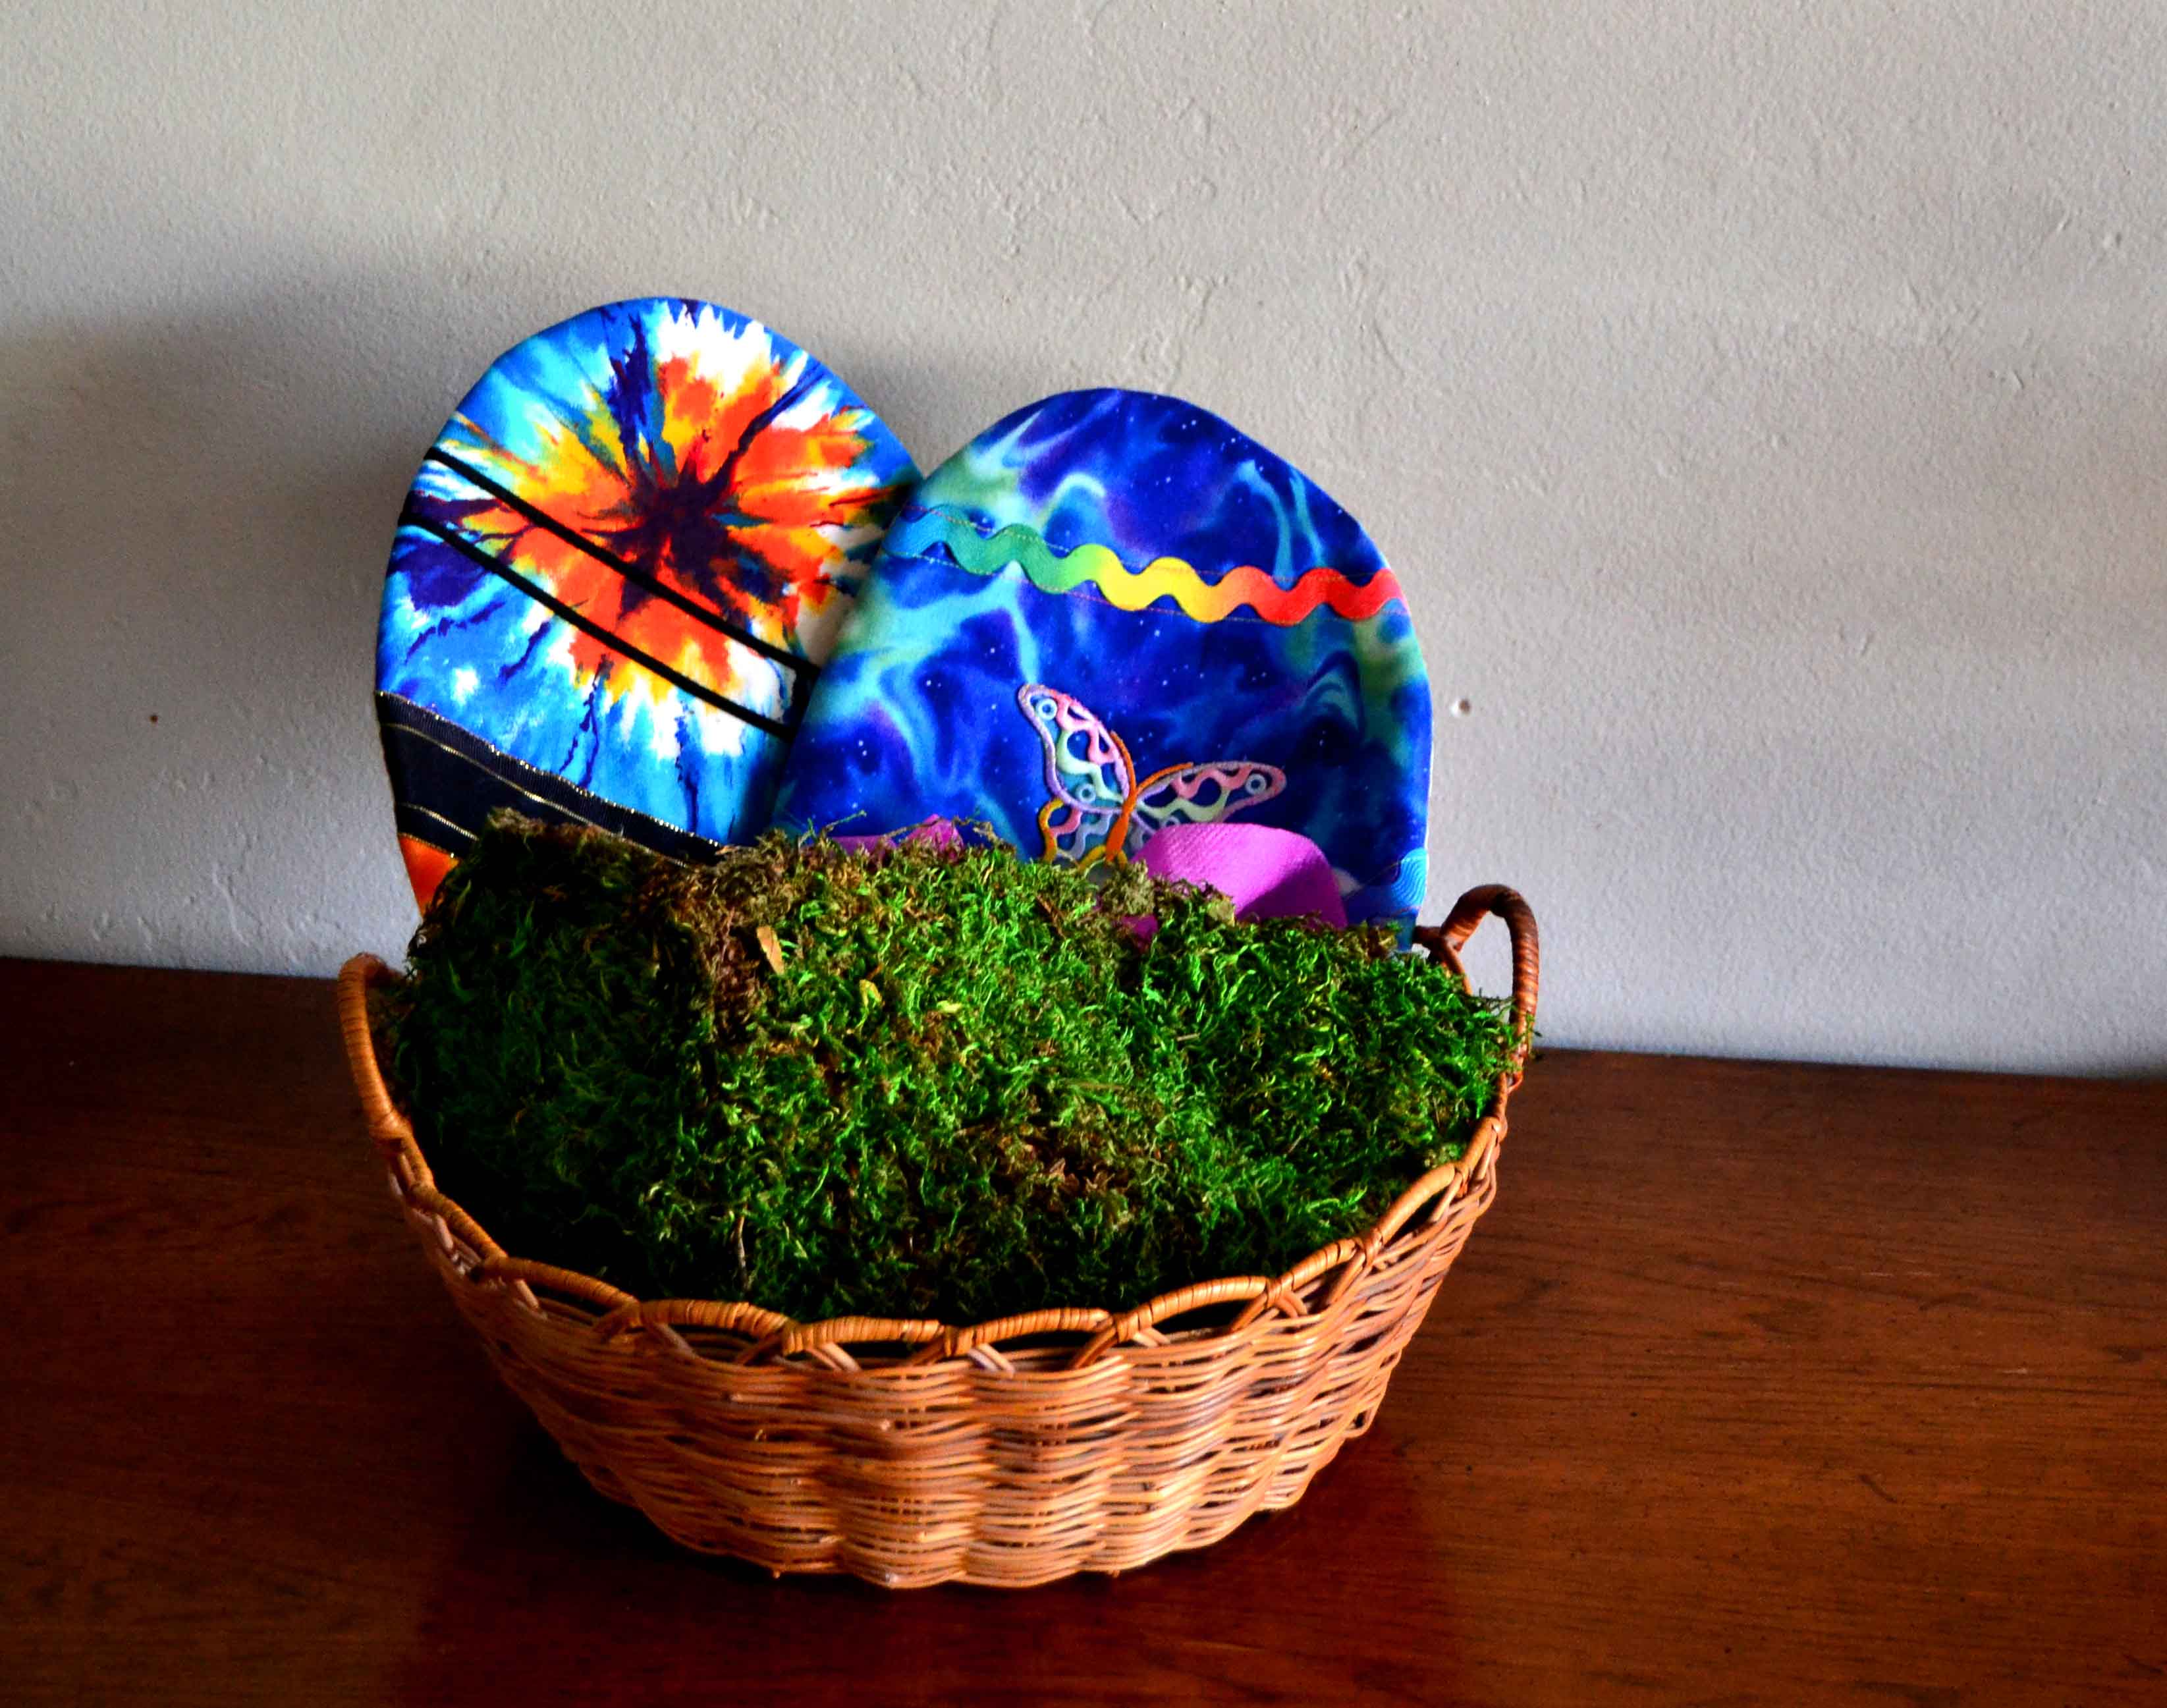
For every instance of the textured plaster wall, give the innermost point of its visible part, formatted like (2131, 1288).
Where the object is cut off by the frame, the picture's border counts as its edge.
(1762, 403)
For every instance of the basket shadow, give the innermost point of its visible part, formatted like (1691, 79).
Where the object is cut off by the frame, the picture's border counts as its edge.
(558, 1592)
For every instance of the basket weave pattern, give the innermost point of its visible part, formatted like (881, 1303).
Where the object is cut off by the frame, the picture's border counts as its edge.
(912, 1452)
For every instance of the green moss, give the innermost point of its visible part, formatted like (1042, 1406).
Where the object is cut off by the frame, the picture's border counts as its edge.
(935, 1084)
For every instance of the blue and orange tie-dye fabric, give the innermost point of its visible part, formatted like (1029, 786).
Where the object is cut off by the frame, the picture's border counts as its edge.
(1112, 612)
(617, 576)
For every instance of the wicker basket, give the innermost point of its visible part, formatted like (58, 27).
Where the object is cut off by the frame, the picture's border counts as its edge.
(1011, 1453)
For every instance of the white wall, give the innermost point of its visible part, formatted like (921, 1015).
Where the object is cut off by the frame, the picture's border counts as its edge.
(1762, 403)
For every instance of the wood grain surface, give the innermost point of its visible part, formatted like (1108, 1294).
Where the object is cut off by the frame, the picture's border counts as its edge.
(1760, 1384)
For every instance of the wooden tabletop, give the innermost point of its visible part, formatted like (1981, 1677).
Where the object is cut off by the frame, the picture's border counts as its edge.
(1759, 1384)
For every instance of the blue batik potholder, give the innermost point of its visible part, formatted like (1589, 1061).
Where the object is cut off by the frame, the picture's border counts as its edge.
(1112, 613)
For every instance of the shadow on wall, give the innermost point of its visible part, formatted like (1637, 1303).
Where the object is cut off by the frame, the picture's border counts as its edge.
(199, 509)
(203, 508)
(212, 493)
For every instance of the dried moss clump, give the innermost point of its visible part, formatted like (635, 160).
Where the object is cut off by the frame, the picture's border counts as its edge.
(929, 1085)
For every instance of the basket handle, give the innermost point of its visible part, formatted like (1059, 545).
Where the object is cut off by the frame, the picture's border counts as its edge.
(1445, 940)
(386, 1125)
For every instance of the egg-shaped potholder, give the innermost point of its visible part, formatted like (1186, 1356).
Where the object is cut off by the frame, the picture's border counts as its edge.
(1112, 613)
(617, 576)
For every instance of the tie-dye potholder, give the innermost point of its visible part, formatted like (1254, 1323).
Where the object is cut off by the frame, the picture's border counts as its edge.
(617, 576)
(1113, 613)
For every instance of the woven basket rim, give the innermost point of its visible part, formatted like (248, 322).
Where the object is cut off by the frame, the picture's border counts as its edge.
(774, 1334)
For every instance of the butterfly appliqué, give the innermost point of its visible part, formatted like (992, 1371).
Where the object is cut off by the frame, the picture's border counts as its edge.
(1098, 808)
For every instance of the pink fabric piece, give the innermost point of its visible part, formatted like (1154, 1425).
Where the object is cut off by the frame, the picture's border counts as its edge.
(1269, 873)
(940, 833)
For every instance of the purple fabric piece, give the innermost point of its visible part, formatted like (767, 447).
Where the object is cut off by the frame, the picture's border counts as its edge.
(1270, 873)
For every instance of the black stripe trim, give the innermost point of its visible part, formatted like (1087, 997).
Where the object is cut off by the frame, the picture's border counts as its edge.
(602, 554)
(587, 625)
(447, 778)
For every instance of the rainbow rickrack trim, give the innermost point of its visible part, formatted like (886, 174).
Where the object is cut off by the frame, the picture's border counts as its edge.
(1131, 590)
